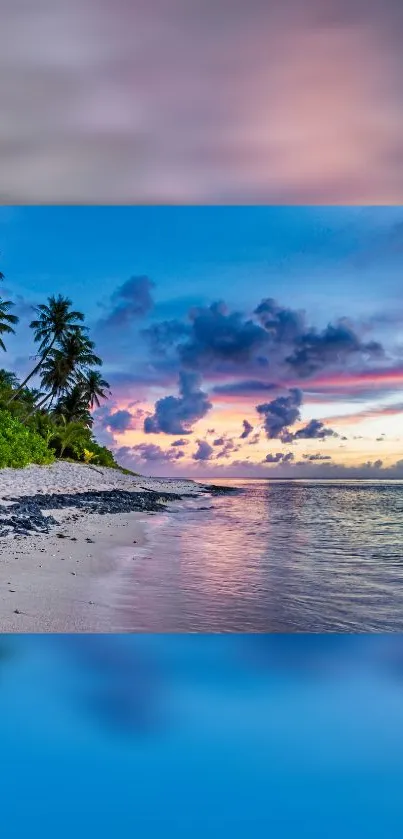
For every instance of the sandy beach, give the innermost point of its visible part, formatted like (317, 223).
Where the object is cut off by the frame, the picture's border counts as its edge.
(58, 563)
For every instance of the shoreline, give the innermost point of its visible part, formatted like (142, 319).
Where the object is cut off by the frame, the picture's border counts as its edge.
(61, 528)
(59, 581)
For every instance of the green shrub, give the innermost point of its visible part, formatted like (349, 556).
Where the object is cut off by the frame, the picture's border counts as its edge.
(100, 455)
(20, 446)
(69, 439)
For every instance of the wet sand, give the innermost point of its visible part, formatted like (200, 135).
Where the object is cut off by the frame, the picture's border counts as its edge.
(63, 580)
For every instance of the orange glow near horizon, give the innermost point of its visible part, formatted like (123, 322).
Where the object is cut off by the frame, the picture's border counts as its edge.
(227, 422)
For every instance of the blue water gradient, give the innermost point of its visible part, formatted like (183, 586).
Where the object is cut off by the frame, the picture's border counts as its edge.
(201, 735)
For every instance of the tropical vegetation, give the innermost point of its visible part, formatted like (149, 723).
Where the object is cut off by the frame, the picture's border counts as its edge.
(48, 415)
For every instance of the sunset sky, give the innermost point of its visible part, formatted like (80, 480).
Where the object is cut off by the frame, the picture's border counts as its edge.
(237, 341)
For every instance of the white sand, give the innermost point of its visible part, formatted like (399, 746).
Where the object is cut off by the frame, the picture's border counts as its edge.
(76, 477)
(49, 584)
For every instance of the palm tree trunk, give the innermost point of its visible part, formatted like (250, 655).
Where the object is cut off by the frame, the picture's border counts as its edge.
(32, 373)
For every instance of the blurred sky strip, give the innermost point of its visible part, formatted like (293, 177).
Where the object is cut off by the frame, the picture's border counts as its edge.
(201, 735)
(201, 101)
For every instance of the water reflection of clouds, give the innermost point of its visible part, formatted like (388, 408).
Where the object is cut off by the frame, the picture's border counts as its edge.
(277, 557)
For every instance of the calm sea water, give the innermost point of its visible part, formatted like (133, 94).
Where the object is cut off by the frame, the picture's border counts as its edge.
(298, 556)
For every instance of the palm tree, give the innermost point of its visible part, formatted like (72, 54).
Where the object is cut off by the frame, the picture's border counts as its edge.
(8, 379)
(64, 366)
(7, 321)
(78, 350)
(57, 376)
(55, 322)
(73, 407)
(67, 434)
(93, 388)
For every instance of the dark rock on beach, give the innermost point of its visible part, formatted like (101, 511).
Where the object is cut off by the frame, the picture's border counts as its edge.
(215, 489)
(26, 515)
(22, 515)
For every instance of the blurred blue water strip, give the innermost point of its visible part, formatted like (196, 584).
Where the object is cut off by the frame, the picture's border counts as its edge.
(138, 734)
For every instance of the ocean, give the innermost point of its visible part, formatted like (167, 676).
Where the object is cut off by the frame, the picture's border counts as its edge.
(278, 556)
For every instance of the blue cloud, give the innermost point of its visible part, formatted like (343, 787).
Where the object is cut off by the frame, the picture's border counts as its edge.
(314, 430)
(220, 336)
(282, 324)
(281, 412)
(246, 386)
(151, 452)
(335, 345)
(228, 447)
(130, 301)
(247, 428)
(177, 414)
(204, 451)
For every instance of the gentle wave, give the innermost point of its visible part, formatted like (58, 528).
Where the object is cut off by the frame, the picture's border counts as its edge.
(297, 556)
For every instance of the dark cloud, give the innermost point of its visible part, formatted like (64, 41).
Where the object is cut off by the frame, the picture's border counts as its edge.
(166, 335)
(120, 421)
(283, 325)
(314, 430)
(219, 441)
(130, 301)
(227, 449)
(279, 457)
(332, 347)
(268, 350)
(314, 457)
(204, 450)
(249, 386)
(180, 443)
(177, 414)
(149, 452)
(281, 412)
(247, 428)
(219, 336)
(273, 458)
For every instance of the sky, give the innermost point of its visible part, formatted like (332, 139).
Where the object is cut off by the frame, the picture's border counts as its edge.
(201, 101)
(238, 341)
